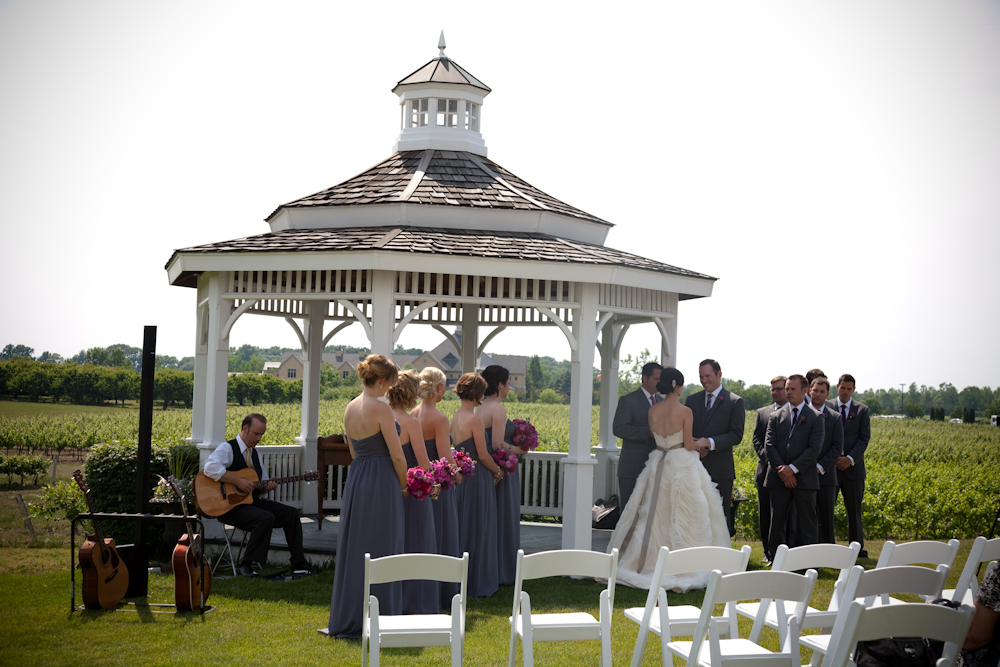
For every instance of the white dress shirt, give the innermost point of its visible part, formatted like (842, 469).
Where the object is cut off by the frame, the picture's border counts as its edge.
(220, 460)
(649, 397)
(715, 398)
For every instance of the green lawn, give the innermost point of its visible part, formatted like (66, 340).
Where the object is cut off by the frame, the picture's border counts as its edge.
(12, 409)
(277, 621)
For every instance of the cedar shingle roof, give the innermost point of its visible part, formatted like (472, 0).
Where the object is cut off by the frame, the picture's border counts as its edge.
(435, 241)
(451, 178)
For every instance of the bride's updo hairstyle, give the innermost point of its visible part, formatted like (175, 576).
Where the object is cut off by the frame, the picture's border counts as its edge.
(403, 393)
(471, 387)
(375, 367)
(495, 376)
(669, 379)
(430, 379)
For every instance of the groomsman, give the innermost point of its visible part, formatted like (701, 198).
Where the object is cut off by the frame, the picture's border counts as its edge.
(792, 445)
(856, 421)
(810, 376)
(631, 424)
(759, 431)
(826, 464)
(719, 418)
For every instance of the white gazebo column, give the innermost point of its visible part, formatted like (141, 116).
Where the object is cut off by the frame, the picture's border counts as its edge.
(200, 361)
(470, 337)
(668, 335)
(313, 358)
(383, 311)
(607, 443)
(578, 467)
(216, 366)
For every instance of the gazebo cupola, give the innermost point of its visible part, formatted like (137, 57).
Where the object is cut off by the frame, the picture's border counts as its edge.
(440, 108)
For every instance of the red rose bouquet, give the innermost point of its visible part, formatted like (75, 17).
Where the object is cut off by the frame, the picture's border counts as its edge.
(465, 464)
(525, 435)
(420, 483)
(506, 460)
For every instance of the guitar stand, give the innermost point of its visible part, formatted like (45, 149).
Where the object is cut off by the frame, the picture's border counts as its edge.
(141, 518)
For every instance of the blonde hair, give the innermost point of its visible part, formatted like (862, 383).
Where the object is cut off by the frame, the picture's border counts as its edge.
(430, 379)
(376, 367)
(403, 393)
(471, 386)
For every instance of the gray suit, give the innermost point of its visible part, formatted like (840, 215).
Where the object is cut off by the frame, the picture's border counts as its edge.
(826, 497)
(631, 424)
(797, 444)
(724, 424)
(763, 497)
(857, 433)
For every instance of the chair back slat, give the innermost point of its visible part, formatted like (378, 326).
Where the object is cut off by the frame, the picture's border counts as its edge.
(701, 559)
(833, 556)
(900, 579)
(567, 562)
(403, 567)
(763, 584)
(931, 552)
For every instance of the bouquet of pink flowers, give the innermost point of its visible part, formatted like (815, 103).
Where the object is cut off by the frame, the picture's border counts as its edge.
(420, 483)
(525, 435)
(465, 464)
(443, 474)
(506, 460)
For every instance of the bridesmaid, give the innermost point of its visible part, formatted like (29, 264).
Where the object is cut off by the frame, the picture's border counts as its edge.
(373, 496)
(499, 431)
(435, 430)
(477, 505)
(419, 596)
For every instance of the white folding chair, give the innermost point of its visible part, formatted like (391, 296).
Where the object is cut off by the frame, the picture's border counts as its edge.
(380, 632)
(919, 620)
(723, 589)
(665, 621)
(562, 626)
(863, 586)
(983, 551)
(812, 556)
(226, 555)
(930, 552)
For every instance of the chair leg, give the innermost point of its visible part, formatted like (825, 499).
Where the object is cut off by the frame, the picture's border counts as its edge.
(605, 629)
(527, 647)
(374, 639)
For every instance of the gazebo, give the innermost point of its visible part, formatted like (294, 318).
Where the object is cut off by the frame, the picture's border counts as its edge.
(438, 235)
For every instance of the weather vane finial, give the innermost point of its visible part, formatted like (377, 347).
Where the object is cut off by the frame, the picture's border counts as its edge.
(442, 46)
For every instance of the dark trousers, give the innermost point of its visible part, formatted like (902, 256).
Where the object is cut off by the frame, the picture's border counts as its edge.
(853, 491)
(259, 518)
(782, 499)
(826, 500)
(726, 491)
(625, 487)
(764, 517)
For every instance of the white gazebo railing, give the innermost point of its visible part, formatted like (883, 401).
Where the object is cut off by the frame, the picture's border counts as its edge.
(284, 461)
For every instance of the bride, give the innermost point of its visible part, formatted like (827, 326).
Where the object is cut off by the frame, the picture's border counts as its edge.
(675, 503)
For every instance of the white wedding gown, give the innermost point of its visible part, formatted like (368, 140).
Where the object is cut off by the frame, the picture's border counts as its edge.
(675, 504)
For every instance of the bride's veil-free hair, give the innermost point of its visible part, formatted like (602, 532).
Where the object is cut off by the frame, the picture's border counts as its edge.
(670, 378)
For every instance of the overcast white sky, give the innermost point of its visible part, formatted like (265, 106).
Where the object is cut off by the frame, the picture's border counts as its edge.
(835, 164)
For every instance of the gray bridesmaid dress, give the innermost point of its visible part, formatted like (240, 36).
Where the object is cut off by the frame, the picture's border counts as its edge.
(477, 520)
(508, 493)
(420, 596)
(371, 498)
(445, 510)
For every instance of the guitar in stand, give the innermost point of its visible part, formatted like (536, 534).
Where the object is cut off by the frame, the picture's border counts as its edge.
(192, 579)
(217, 498)
(105, 577)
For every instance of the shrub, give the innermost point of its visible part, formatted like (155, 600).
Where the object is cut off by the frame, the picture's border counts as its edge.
(23, 466)
(64, 500)
(550, 397)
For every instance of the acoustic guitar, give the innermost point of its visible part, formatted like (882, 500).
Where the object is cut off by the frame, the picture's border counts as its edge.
(105, 577)
(192, 581)
(217, 498)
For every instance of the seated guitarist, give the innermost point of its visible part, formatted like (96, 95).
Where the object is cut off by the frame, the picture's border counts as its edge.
(263, 515)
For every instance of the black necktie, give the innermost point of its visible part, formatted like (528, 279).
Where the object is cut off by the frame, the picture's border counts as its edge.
(795, 415)
(843, 414)
(708, 401)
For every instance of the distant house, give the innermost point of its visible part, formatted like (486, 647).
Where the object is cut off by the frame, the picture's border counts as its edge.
(444, 356)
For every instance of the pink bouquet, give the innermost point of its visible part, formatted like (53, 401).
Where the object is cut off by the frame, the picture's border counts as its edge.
(443, 474)
(420, 483)
(525, 435)
(465, 464)
(506, 460)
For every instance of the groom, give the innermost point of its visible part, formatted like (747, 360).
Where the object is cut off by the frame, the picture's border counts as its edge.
(719, 418)
(631, 424)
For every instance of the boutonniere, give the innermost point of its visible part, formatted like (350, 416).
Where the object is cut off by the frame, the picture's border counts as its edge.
(825, 415)
(719, 399)
(802, 419)
(851, 415)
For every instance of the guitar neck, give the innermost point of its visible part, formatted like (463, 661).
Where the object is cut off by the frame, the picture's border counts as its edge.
(259, 486)
(78, 477)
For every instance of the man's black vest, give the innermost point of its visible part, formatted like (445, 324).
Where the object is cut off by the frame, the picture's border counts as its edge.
(240, 462)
